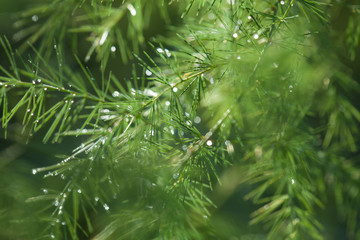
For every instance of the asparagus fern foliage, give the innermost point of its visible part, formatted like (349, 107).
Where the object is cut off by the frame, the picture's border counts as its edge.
(238, 98)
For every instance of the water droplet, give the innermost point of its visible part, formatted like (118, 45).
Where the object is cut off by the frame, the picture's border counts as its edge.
(148, 73)
(131, 9)
(45, 191)
(54, 46)
(167, 103)
(197, 119)
(39, 80)
(116, 94)
(28, 110)
(159, 50)
(33, 82)
(282, 2)
(96, 199)
(63, 223)
(52, 236)
(106, 207)
(292, 181)
(249, 17)
(34, 171)
(168, 53)
(35, 18)
(113, 48)
(79, 190)
(175, 89)
(103, 37)
(209, 143)
(238, 57)
(276, 65)
(235, 35)
(256, 36)
(45, 89)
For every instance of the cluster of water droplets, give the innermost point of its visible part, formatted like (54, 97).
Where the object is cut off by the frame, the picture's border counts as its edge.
(105, 205)
(1, 84)
(164, 51)
(59, 203)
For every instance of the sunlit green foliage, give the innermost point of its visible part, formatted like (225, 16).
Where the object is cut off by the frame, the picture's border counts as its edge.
(244, 99)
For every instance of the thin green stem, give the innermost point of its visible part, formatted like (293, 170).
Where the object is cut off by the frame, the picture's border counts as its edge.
(175, 85)
(286, 12)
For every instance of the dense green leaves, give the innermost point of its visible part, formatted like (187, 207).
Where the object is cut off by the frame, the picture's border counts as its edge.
(241, 100)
